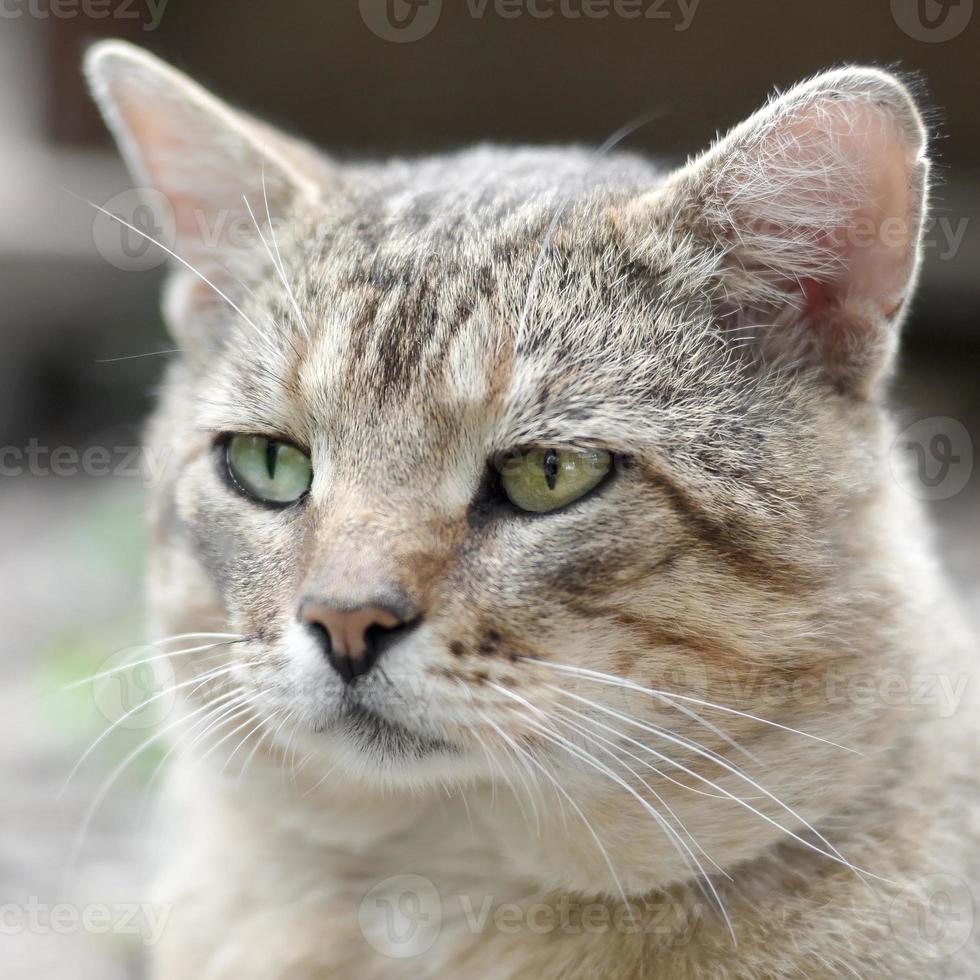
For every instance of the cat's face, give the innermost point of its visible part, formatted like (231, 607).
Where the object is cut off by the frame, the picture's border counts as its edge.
(468, 443)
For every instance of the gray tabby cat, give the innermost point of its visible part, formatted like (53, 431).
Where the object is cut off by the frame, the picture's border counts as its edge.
(540, 502)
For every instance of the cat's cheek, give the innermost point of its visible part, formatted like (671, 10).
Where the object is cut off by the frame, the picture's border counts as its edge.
(247, 553)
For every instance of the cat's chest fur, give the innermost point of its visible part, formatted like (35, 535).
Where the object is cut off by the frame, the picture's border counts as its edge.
(394, 887)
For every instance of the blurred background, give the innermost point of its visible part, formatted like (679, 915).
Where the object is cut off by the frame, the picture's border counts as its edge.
(82, 344)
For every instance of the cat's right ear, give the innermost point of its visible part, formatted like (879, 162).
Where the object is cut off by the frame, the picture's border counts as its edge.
(804, 223)
(220, 173)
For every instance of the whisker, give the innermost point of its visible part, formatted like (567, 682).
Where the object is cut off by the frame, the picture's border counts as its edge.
(590, 735)
(615, 681)
(585, 820)
(197, 636)
(228, 712)
(244, 707)
(200, 275)
(215, 705)
(268, 733)
(279, 265)
(127, 664)
(263, 719)
(218, 672)
(626, 738)
(103, 791)
(514, 747)
(832, 853)
(507, 780)
(133, 357)
(670, 831)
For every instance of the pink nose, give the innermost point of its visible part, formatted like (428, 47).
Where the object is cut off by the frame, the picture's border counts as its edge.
(348, 627)
(353, 637)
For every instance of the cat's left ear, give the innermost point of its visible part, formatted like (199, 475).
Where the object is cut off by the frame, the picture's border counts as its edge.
(219, 171)
(811, 212)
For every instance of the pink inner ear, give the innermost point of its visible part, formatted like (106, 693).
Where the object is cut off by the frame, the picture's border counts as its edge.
(851, 161)
(161, 133)
(819, 201)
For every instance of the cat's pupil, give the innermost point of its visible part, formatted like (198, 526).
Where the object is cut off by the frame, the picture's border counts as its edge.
(551, 468)
(271, 455)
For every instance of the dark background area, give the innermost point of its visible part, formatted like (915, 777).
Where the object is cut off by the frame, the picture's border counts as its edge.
(480, 73)
(80, 333)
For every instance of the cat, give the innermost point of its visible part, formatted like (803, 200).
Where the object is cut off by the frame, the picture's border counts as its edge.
(531, 522)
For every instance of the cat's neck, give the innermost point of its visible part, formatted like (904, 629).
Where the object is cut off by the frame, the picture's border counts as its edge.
(392, 866)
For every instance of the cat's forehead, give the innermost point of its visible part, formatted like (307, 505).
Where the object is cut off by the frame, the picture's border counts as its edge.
(452, 293)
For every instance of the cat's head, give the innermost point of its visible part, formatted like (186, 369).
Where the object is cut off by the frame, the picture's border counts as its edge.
(480, 450)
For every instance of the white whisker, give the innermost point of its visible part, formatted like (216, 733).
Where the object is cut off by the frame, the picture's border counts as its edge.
(127, 664)
(200, 275)
(671, 832)
(507, 780)
(832, 853)
(585, 820)
(686, 854)
(215, 705)
(218, 672)
(615, 681)
(104, 789)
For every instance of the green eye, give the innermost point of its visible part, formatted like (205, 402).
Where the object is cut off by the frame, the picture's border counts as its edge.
(271, 471)
(546, 479)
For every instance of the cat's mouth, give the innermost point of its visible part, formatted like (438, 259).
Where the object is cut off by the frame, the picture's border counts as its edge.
(389, 738)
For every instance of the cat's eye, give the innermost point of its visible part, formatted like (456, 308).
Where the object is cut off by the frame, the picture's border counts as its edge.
(543, 480)
(270, 470)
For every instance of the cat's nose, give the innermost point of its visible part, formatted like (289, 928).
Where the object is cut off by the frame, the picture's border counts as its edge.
(354, 638)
